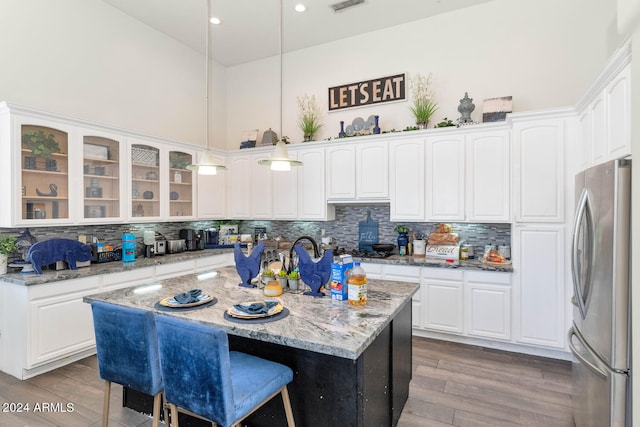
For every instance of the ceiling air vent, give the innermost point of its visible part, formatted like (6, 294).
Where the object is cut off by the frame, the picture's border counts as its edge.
(338, 7)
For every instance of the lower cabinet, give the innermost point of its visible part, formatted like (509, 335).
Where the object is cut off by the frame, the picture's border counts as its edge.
(43, 327)
(488, 307)
(443, 300)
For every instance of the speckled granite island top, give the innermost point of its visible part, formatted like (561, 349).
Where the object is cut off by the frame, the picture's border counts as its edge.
(317, 324)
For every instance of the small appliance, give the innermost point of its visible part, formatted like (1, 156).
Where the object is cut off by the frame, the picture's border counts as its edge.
(149, 240)
(194, 240)
(160, 244)
(175, 246)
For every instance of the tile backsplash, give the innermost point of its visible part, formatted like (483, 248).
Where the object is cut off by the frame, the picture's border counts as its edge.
(344, 229)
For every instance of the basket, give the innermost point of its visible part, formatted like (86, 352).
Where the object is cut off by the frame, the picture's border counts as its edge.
(144, 157)
(109, 256)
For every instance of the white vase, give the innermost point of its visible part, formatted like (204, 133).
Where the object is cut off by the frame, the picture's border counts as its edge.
(3, 264)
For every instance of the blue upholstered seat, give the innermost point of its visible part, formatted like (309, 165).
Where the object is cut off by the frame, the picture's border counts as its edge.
(204, 378)
(127, 347)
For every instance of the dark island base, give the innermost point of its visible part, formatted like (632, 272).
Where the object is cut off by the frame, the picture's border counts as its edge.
(329, 391)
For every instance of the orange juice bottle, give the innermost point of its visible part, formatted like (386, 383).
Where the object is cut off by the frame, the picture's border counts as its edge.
(357, 283)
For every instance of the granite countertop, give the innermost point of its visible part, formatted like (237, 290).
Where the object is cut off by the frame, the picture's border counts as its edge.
(318, 324)
(472, 264)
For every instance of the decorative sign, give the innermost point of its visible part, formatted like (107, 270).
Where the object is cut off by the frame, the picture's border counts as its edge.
(383, 89)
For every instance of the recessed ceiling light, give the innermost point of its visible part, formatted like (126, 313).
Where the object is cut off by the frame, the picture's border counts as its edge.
(300, 7)
(215, 20)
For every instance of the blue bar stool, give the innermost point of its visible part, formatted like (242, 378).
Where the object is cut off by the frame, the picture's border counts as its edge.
(127, 347)
(203, 378)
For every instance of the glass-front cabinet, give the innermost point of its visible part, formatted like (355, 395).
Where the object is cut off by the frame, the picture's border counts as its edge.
(181, 188)
(102, 180)
(44, 174)
(145, 181)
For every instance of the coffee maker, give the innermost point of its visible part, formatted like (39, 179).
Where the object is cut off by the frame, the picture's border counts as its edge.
(194, 240)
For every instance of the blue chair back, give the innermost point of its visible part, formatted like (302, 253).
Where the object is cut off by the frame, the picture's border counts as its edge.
(127, 347)
(196, 368)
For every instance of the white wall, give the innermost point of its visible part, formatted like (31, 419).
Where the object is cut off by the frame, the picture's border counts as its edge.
(544, 53)
(86, 59)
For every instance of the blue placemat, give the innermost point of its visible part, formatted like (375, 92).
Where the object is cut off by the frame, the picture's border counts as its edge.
(284, 313)
(161, 307)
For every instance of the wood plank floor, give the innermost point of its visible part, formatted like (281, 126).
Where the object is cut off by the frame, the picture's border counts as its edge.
(453, 385)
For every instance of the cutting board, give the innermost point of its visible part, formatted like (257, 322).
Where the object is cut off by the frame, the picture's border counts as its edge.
(367, 234)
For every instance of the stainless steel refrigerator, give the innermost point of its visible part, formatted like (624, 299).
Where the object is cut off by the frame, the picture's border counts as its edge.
(600, 337)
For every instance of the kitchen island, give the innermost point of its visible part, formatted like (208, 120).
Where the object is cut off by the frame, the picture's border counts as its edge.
(352, 365)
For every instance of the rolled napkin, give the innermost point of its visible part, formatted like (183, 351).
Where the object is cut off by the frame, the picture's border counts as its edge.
(187, 297)
(256, 307)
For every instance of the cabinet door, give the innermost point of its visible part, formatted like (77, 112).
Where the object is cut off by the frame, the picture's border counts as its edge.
(312, 202)
(538, 280)
(584, 141)
(442, 305)
(597, 112)
(445, 178)
(539, 170)
(103, 183)
(145, 180)
(618, 96)
(372, 170)
(46, 166)
(212, 193)
(182, 184)
(261, 194)
(488, 176)
(239, 187)
(341, 172)
(284, 185)
(406, 179)
(488, 304)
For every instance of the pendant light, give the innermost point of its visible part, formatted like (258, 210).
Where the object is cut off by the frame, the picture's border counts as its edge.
(207, 164)
(280, 161)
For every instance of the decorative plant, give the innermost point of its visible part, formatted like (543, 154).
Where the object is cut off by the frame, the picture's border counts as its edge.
(294, 275)
(445, 123)
(309, 116)
(268, 272)
(401, 229)
(423, 104)
(41, 143)
(8, 245)
(179, 160)
(285, 139)
(282, 273)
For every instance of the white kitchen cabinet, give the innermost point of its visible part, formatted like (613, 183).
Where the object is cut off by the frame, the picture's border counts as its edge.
(442, 300)
(261, 194)
(284, 185)
(488, 304)
(358, 171)
(239, 184)
(312, 200)
(597, 113)
(341, 172)
(407, 179)
(618, 100)
(445, 170)
(488, 176)
(539, 285)
(212, 192)
(179, 184)
(539, 168)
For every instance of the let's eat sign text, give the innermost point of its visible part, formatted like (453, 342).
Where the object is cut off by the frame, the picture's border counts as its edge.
(383, 89)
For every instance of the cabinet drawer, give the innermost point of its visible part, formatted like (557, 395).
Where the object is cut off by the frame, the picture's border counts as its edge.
(133, 276)
(401, 273)
(488, 277)
(442, 273)
(175, 269)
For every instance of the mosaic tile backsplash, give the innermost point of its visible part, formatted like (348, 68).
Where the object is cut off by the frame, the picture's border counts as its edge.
(344, 229)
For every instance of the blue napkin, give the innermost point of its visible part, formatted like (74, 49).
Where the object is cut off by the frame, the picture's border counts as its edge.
(256, 307)
(188, 297)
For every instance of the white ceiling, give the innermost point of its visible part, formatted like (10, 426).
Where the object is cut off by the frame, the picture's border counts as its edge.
(250, 28)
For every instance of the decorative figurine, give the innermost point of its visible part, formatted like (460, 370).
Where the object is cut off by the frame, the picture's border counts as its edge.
(52, 193)
(465, 108)
(342, 133)
(376, 128)
(248, 267)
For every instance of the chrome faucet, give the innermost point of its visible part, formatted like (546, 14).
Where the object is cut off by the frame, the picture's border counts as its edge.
(316, 250)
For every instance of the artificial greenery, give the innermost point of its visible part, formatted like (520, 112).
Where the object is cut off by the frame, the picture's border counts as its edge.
(424, 105)
(268, 272)
(294, 275)
(282, 273)
(309, 118)
(40, 143)
(179, 160)
(445, 123)
(8, 245)
(401, 229)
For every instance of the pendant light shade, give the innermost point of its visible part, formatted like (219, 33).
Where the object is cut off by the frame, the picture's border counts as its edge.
(280, 160)
(207, 164)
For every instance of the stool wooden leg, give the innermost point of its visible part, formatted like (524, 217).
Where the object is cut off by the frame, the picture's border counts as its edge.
(157, 401)
(105, 403)
(174, 415)
(287, 407)
(165, 409)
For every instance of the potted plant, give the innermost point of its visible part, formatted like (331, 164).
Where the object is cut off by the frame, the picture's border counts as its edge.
(7, 246)
(403, 239)
(42, 145)
(282, 278)
(268, 275)
(423, 104)
(309, 116)
(294, 280)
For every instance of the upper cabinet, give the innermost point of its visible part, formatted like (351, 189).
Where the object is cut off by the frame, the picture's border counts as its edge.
(212, 192)
(445, 177)
(102, 171)
(311, 192)
(407, 179)
(145, 181)
(182, 186)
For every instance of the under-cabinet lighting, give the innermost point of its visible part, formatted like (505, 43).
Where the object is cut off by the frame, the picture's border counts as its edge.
(147, 288)
(207, 275)
(300, 8)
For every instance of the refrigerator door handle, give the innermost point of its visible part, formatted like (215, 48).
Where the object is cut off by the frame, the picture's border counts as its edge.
(572, 333)
(583, 212)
